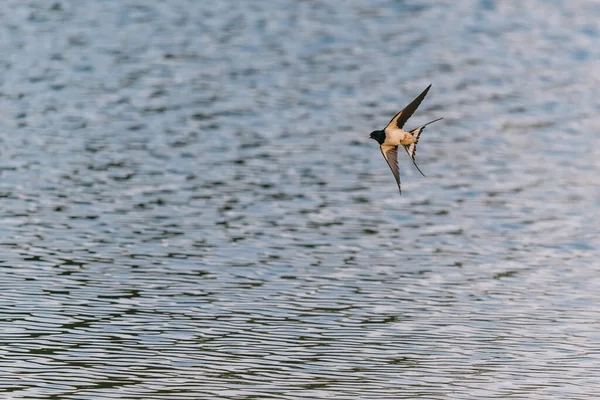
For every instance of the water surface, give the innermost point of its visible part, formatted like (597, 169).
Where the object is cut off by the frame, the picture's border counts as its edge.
(191, 206)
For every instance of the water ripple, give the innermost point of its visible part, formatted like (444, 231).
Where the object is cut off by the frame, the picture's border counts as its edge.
(192, 208)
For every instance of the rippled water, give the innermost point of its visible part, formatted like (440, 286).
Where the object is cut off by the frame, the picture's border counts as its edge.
(191, 206)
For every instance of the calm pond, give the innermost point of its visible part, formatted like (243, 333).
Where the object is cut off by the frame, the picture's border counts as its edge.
(192, 207)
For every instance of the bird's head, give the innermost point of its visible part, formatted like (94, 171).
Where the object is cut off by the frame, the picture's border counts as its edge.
(378, 135)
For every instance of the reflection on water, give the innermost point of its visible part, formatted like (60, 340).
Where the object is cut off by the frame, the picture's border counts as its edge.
(192, 207)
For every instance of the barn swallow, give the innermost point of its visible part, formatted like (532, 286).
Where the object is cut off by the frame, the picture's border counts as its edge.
(393, 135)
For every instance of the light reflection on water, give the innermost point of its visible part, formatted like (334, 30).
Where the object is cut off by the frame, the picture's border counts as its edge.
(192, 207)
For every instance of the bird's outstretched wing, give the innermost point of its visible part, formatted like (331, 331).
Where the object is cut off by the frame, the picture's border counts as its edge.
(403, 115)
(390, 153)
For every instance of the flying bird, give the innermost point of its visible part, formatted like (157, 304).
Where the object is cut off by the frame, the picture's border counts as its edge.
(393, 136)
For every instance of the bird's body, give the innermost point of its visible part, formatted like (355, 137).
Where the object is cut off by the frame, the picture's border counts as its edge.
(393, 136)
(397, 136)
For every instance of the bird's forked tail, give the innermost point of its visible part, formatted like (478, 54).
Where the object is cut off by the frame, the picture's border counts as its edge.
(411, 149)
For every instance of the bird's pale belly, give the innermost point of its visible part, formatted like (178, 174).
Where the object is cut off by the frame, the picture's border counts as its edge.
(398, 137)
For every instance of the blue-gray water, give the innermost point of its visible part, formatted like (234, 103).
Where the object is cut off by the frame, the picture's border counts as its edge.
(191, 206)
